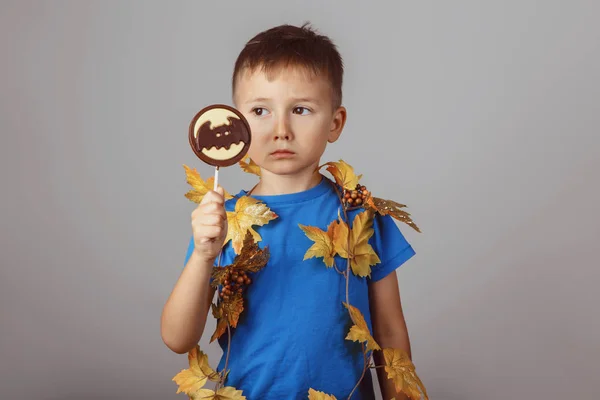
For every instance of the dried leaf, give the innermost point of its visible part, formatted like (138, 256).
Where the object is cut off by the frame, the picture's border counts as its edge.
(199, 186)
(250, 166)
(228, 312)
(233, 308)
(224, 393)
(251, 259)
(343, 173)
(192, 379)
(359, 332)
(219, 330)
(248, 212)
(401, 370)
(316, 395)
(218, 275)
(385, 207)
(361, 254)
(323, 246)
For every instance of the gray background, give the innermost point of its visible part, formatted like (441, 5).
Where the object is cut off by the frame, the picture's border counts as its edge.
(488, 115)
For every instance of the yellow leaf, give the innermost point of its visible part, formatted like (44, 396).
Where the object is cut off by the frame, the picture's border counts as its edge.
(323, 246)
(359, 332)
(199, 186)
(343, 174)
(248, 212)
(361, 253)
(192, 379)
(316, 395)
(385, 207)
(250, 166)
(224, 393)
(401, 370)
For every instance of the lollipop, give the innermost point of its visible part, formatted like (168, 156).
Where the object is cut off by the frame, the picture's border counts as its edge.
(219, 136)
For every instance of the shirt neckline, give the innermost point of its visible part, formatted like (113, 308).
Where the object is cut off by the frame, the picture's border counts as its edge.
(321, 188)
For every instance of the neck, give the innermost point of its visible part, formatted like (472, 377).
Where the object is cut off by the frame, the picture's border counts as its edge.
(272, 184)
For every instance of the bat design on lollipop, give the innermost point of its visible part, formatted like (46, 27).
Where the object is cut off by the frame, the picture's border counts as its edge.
(220, 136)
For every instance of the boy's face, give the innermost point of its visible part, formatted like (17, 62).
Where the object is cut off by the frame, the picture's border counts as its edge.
(291, 118)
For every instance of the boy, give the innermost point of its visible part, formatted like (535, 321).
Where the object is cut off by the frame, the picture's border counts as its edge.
(290, 337)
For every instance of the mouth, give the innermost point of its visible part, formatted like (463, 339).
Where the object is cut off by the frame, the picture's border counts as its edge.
(282, 152)
(279, 154)
(223, 153)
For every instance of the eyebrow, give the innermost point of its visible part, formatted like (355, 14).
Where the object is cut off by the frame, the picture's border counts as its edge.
(301, 99)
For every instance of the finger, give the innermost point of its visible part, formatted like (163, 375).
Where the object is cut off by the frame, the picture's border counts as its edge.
(212, 220)
(212, 197)
(211, 231)
(213, 208)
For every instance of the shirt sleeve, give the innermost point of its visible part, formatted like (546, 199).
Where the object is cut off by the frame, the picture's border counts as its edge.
(390, 245)
(190, 250)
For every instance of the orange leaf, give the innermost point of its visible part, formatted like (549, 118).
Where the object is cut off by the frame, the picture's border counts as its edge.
(323, 246)
(192, 379)
(401, 370)
(359, 332)
(343, 174)
(385, 207)
(316, 395)
(199, 186)
(229, 313)
(224, 393)
(219, 330)
(361, 253)
(248, 212)
(251, 259)
(250, 166)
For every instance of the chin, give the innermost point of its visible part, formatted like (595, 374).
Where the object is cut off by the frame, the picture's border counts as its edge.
(286, 168)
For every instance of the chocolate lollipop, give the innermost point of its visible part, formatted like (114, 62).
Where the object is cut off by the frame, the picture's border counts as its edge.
(220, 136)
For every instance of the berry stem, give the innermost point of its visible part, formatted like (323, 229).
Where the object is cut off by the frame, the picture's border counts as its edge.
(337, 269)
(365, 365)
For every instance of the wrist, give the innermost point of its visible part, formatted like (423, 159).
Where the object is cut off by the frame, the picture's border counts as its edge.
(204, 259)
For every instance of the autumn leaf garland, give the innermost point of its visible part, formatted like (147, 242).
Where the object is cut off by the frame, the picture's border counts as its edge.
(351, 244)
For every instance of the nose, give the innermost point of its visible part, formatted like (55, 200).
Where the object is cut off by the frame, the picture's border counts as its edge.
(282, 129)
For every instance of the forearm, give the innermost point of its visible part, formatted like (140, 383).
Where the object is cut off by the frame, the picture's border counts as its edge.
(184, 314)
(397, 340)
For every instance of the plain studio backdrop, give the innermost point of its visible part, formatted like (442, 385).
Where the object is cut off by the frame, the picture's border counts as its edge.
(482, 117)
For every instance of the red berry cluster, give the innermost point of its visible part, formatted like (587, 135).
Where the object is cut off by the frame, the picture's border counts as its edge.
(234, 282)
(355, 197)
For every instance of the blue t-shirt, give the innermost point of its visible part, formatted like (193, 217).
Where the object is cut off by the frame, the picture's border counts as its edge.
(291, 335)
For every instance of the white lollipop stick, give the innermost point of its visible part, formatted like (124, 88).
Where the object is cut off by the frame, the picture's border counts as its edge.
(216, 178)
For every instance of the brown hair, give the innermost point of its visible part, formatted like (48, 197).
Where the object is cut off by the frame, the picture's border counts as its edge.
(286, 45)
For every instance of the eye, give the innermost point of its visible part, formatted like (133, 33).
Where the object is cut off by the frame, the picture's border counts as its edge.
(259, 111)
(300, 110)
(226, 133)
(218, 135)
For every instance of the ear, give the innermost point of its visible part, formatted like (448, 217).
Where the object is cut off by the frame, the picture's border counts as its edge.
(337, 124)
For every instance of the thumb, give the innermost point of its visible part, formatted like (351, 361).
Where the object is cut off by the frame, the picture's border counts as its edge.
(220, 190)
